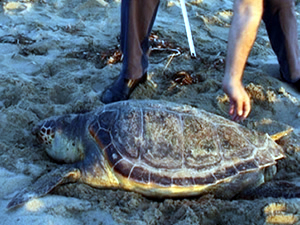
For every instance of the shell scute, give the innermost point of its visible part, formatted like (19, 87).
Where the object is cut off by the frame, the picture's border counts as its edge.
(187, 181)
(127, 132)
(273, 149)
(112, 155)
(101, 136)
(94, 127)
(163, 140)
(107, 118)
(201, 150)
(246, 165)
(253, 137)
(264, 158)
(123, 167)
(104, 137)
(233, 144)
(140, 174)
(208, 179)
(226, 172)
(160, 179)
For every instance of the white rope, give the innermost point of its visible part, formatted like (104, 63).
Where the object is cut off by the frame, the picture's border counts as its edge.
(188, 28)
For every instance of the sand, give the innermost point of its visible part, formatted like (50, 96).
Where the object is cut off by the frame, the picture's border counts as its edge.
(54, 60)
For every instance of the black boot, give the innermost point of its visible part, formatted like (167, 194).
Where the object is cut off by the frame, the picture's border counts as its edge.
(121, 89)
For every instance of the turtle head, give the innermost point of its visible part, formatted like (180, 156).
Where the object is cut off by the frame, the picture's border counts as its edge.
(61, 137)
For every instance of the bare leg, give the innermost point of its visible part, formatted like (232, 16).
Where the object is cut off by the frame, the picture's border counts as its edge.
(242, 34)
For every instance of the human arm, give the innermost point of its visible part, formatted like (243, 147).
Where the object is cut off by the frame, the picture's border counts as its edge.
(242, 34)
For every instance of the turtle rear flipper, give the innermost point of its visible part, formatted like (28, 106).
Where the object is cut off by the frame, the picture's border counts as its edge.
(275, 189)
(45, 184)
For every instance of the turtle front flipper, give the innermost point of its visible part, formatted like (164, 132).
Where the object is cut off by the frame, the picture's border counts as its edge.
(45, 184)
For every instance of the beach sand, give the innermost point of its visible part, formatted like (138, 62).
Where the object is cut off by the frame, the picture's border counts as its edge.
(57, 57)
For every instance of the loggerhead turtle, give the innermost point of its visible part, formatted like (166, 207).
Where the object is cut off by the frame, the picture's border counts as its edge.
(155, 148)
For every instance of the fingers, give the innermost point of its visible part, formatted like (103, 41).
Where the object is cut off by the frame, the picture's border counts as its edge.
(239, 110)
(239, 99)
(232, 108)
(246, 109)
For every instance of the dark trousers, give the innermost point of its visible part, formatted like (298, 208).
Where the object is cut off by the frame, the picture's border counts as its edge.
(280, 20)
(137, 18)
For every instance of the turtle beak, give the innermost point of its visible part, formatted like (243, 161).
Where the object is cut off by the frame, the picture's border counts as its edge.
(45, 131)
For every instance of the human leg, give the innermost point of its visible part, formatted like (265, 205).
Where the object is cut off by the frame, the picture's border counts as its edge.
(137, 18)
(280, 20)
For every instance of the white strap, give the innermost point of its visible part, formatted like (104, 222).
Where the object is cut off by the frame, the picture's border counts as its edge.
(188, 28)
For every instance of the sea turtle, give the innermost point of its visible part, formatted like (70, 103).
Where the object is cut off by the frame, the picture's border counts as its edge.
(155, 148)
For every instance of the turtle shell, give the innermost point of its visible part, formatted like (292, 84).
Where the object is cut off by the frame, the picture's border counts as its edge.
(154, 143)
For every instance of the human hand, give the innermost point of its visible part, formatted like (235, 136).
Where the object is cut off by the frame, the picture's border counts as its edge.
(240, 106)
